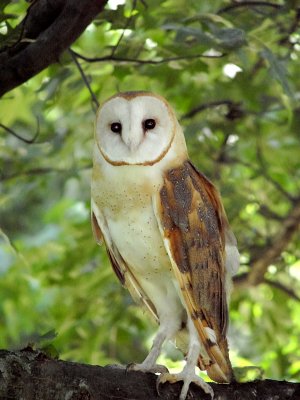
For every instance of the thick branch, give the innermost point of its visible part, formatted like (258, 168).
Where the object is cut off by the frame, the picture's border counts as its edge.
(31, 375)
(49, 28)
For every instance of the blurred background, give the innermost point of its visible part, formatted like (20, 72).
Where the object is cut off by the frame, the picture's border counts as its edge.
(231, 72)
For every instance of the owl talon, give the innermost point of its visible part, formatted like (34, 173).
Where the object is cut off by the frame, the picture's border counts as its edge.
(155, 369)
(187, 379)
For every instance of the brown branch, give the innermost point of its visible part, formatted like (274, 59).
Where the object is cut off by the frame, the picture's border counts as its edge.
(139, 61)
(49, 29)
(16, 135)
(270, 253)
(264, 172)
(205, 106)
(292, 28)
(247, 4)
(128, 22)
(266, 212)
(278, 285)
(31, 375)
(43, 171)
(85, 79)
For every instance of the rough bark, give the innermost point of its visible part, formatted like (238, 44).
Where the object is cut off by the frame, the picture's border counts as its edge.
(31, 375)
(49, 28)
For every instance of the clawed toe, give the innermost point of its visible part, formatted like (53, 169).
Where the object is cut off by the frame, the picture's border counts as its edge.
(187, 379)
(155, 369)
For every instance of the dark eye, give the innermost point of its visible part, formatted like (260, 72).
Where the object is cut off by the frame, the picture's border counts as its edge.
(116, 127)
(149, 124)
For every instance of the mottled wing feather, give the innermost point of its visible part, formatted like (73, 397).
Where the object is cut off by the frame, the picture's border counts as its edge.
(193, 224)
(121, 269)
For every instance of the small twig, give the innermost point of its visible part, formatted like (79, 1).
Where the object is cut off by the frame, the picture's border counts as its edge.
(247, 4)
(16, 135)
(292, 28)
(290, 292)
(266, 212)
(42, 171)
(128, 22)
(138, 61)
(84, 78)
(144, 3)
(264, 172)
(205, 106)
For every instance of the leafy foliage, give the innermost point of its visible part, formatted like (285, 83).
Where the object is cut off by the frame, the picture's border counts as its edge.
(230, 70)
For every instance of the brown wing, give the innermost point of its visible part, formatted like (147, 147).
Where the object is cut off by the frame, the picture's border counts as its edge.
(193, 223)
(121, 269)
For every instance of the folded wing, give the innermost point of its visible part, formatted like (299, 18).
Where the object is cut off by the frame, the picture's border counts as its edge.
(195, 230)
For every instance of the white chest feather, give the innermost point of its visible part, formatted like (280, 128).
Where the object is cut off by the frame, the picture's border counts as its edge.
(126, 205)
(136, 235)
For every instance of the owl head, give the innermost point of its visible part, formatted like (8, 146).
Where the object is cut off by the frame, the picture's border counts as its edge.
(135, 128)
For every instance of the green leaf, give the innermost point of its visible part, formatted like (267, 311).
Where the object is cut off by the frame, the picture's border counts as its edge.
(230, 39)
(278, 70)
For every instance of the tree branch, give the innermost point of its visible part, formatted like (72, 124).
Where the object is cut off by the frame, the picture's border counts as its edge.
(49, 28)
(43, 171)
(31, 375)
(139, 61)
(264, 172)
(16, 135)
(85, 80)
(269, 254)
(249, 4)
(234, 109)
(278, 285)
(128, 22)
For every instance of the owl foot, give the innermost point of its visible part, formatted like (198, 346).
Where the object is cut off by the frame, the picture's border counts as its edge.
(187, 376)
(144, 367)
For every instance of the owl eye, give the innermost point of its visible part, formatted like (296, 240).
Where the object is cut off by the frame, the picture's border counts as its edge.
(149, 124)
(116, 127)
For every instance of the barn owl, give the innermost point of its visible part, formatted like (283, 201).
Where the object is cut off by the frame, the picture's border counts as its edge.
(166, 233)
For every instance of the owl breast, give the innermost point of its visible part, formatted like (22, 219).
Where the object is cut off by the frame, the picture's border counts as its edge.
(125, 199)
(138, 240)
(126, 205)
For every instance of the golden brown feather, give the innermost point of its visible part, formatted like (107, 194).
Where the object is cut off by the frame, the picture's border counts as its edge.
(194, 224)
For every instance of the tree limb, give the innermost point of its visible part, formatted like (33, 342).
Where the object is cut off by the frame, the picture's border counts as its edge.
(49, 28)
(16, 135)
(268, 254)
(140, 61)
(205, 106)
(278, 285)
(95, 101)
(32, 375)
(250, 4)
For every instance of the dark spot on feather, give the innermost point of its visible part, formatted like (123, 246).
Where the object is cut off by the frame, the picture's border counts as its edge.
(194, 316)
(183, 325)
(210, 343)
(197, 314)
(182, 195)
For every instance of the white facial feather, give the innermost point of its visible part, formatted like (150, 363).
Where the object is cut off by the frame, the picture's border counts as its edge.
(134, 144)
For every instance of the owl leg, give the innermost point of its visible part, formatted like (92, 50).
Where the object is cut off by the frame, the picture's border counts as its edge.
(166, 330)
(188, 375)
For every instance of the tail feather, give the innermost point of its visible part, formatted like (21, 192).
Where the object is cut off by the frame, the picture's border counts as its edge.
(217, 364)
(216, 360)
